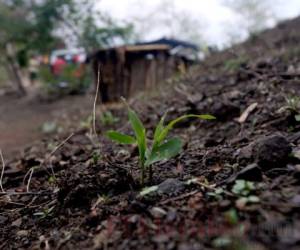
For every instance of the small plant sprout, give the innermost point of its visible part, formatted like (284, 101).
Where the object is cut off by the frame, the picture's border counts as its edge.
(293, 106)
(107, 118)
(244, 189)
(161, 148)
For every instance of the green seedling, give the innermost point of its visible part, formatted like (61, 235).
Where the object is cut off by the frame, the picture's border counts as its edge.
(217, 194)
(243, 188)
(96, 157)
(161, 148)
(44, 213)
(107, 118)
(232, 217)
(293, 106)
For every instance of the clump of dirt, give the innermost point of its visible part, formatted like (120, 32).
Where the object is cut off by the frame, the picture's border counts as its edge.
(235, 185)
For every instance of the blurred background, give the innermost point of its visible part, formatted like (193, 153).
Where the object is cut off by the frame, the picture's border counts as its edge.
(45, 43)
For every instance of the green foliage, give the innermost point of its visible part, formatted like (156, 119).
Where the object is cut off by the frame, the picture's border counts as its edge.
(293, 106)
(121, 138)
(74, 84)
(293, 103)
(31, 27)
(231, 216)
(161, 149)
(243, 188)
(107, 118)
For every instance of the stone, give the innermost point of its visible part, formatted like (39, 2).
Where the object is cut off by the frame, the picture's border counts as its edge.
(272, 152)
(170, 186)
(250, 173)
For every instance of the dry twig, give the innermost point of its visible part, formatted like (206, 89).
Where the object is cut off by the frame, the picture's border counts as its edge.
(2, 172)
(31, 170)
(95, 102)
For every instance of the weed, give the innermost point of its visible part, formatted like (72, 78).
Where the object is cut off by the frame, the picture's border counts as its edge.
(96, 157)
(293, 106)
(217, 194)
(244, 190)
(231, 217)
(46, 212)
(242, 187)
(107, 118)
(161, 148)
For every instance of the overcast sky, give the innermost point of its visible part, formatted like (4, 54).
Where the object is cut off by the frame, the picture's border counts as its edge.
(210, 17)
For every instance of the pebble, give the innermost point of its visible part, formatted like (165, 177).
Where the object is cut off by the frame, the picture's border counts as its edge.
(272, 152)
(170, 186)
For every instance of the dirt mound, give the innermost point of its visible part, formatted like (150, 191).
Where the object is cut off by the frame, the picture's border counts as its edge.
(235, 185)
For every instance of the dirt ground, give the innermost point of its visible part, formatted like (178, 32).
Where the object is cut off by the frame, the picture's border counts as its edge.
(235, 185)
(22, 119)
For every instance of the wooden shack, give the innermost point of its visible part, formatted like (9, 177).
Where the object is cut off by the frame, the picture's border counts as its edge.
(127, 70)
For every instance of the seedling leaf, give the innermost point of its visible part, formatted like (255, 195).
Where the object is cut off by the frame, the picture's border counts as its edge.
(140, 133)
(159, 128)
(171, 124)
(165, 151)
(120, 138)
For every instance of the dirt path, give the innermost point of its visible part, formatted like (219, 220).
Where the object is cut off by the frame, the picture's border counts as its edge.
(21, 120)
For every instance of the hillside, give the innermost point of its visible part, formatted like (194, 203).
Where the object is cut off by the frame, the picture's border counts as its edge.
(236, 184)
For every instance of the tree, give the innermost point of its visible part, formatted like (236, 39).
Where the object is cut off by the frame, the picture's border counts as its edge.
(37, 26)
(173, 22)
(25, 27)
(256, 13)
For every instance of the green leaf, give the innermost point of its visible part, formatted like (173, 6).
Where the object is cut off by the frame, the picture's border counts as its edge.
(158, 130)
(165, 151)
(136, 123)
(120, 138)
(297, 118)
(140, 133)
(171, 124)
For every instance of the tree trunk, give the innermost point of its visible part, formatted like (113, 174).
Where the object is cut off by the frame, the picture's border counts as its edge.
(14, 71)
(16, 77)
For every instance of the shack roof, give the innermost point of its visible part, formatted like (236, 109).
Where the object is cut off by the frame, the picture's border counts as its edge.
(131, 49)
(171, 46)
(172, 43)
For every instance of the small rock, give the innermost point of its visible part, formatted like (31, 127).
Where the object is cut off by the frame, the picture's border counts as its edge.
(250, 173)
(272, 152)
(170, 186)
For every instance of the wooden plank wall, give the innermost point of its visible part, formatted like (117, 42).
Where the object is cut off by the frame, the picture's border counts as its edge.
(129, 75)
